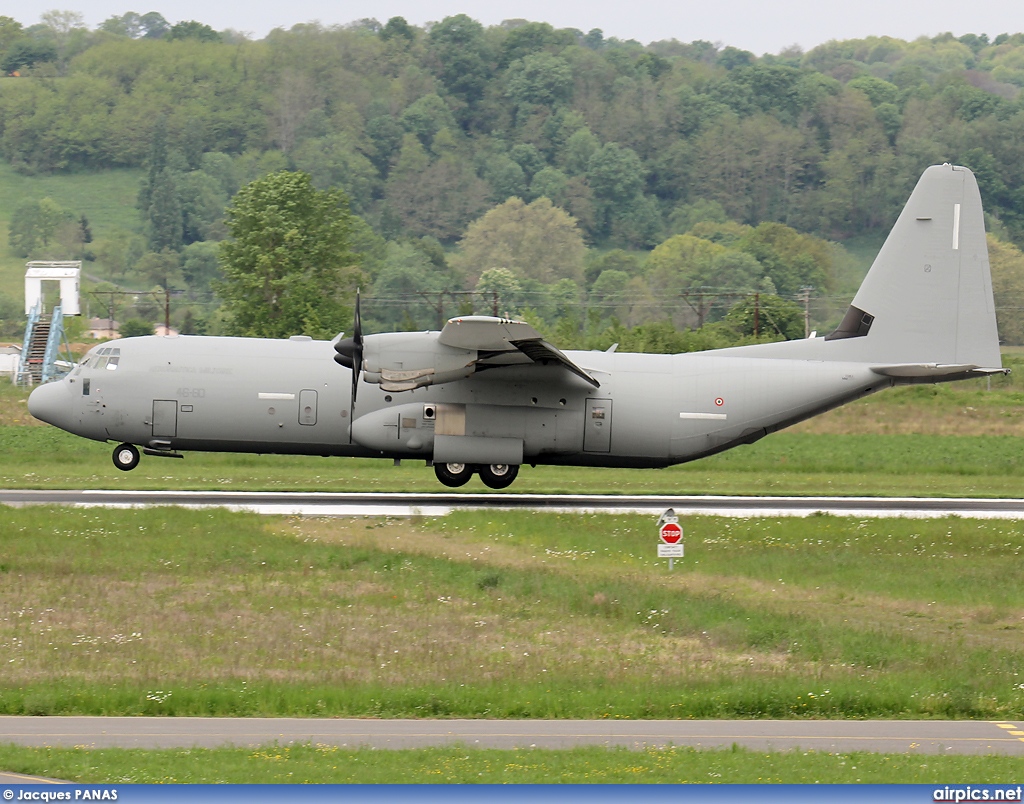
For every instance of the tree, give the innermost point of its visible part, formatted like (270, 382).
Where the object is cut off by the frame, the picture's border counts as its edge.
(1007, 263)
(162, 269)
(191, 29)
(426, 117)
(405, 289)
(128, 24)
(463, 56)
(790, 259)
(539, 79)
(767, 315)
(287, 269)
(119, 252)
(397, 28)
(202, 199)
(199, 266)
(616, 175)
(35, 224)
(164, 219)
(333, 161)
(680, 263)
(498, 287)
(505, 177)
(10, 31)
(436, 200)
(154, 25)
(27, 52)
(135, 328)
(534, 241)
(550, 183)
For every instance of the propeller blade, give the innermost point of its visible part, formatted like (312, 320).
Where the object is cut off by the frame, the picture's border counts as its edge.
(357, 350)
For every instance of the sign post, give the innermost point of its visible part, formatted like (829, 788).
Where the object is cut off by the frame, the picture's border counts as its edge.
(671, 533)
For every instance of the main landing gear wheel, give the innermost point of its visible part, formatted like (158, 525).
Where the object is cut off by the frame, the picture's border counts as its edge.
(126, 457)
(498, 475)
(453, 475)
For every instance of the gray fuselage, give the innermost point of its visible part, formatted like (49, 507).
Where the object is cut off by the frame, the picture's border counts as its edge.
(289, 397)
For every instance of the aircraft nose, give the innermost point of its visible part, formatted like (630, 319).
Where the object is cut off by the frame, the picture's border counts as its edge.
(51, 403)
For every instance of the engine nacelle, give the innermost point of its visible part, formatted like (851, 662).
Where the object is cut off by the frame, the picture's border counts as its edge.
(401, 361)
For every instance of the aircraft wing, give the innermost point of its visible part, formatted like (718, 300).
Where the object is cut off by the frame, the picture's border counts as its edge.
(497, 339)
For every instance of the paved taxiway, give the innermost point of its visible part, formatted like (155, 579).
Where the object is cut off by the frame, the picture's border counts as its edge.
(438, 504)
(917, 736)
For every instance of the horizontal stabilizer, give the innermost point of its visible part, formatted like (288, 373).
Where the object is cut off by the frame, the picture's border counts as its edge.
(935, 372)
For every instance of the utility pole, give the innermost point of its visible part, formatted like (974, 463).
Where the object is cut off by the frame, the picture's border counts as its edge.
(757, 314)
(805, 297)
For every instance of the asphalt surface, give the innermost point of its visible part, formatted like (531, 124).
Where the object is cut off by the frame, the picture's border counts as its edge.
(438, 504)
(21, 778)
(889, 736)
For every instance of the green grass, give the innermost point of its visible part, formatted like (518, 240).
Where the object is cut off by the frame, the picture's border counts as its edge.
(317, 764)
(175, 612)
(785, 463)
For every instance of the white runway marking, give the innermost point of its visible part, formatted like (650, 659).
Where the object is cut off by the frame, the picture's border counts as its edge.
(439, 504)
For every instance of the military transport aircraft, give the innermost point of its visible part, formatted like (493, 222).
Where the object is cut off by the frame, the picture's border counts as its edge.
(486, 395)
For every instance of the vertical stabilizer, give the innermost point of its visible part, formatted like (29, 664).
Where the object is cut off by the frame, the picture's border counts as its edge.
(928, 295)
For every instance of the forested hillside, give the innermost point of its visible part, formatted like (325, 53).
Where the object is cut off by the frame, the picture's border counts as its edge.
(588, 183)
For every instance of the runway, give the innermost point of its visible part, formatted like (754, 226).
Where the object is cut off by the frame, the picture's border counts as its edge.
(885, 736)
(439, 504)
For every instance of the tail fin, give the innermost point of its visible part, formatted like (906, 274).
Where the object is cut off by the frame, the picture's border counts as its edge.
(928, 295)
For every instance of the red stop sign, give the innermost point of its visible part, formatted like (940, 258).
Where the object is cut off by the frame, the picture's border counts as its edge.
(671, 533)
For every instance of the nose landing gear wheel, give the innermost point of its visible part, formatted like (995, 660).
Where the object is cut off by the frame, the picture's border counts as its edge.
(453, 475)
(498, 475)
(126, 457)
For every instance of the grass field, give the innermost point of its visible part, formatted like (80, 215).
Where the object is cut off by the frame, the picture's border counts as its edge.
(327, 765)
(175, 612)
(785, 463)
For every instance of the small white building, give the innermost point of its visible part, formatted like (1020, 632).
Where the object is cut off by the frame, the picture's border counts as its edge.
(67, 274)
(10, 361)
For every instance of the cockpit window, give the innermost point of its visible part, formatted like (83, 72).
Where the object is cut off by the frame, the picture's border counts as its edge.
(106, 358)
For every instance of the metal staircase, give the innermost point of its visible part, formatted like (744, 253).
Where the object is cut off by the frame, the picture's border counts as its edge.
(39, 351)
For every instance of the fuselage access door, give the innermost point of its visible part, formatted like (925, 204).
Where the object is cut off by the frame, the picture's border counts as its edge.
(597, 435)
